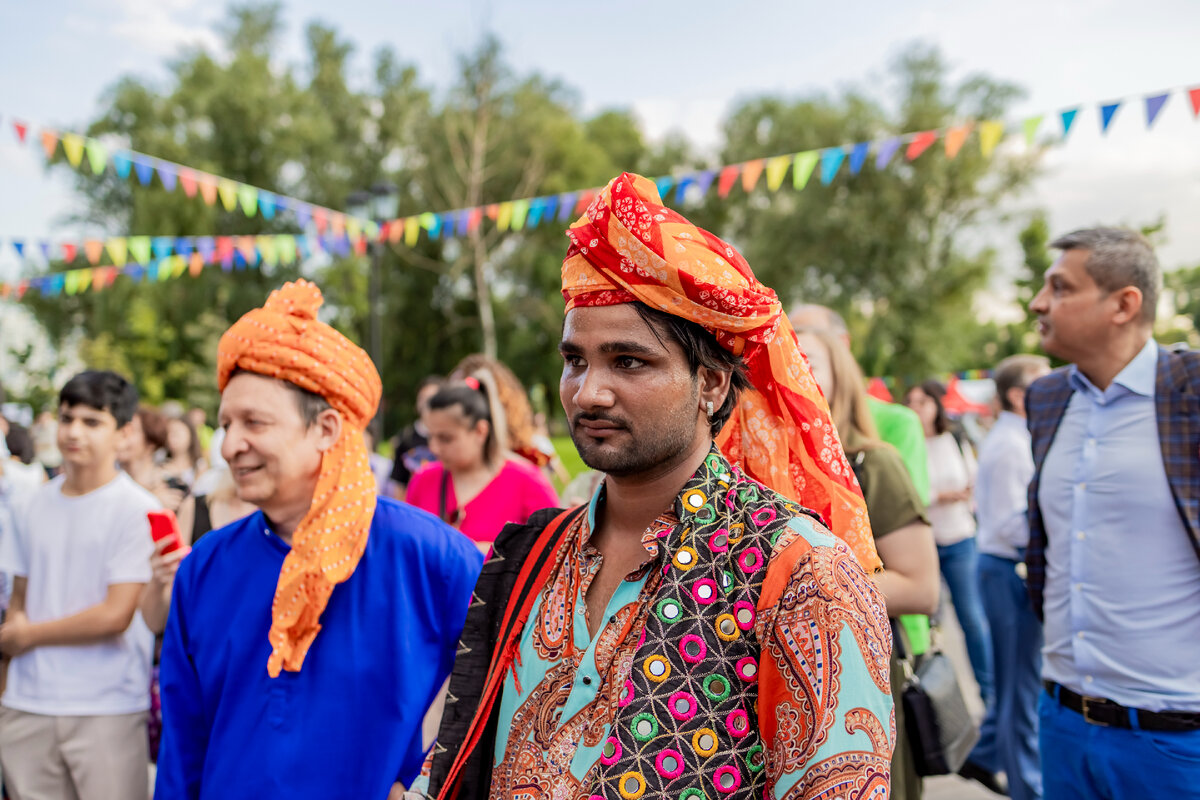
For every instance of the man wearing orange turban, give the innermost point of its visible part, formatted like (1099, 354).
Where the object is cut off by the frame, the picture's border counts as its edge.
(306, 641)
(695, 631)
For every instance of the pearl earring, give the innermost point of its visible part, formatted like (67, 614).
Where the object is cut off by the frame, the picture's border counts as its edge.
(708, 409)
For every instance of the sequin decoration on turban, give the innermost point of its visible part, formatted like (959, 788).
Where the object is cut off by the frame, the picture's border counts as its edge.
(285, 340)
(629, 247)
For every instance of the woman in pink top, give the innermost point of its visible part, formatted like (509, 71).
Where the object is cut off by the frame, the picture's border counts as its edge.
(477, 485)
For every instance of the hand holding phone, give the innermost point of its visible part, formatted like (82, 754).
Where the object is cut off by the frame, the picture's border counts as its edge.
(163, 525)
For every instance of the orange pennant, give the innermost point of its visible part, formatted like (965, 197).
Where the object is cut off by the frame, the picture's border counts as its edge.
(396, 231)
(49, 143)
(751, 171)
(955, 137)
(93, 248)
(208, 189)
(195, 264)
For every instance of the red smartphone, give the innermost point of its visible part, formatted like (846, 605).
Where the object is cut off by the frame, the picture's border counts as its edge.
(163, 525)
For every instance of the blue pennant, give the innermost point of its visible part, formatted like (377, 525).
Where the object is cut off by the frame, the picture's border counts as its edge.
(857, 156)
(1107, 112)
(831, 162)
(1068, 119)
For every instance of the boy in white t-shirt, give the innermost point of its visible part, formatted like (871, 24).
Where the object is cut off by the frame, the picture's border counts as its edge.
(73, 713)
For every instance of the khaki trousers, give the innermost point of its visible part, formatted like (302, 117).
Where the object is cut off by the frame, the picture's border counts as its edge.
(74, 758)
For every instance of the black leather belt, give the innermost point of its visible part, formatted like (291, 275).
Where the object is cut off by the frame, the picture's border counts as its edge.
(1098, 711)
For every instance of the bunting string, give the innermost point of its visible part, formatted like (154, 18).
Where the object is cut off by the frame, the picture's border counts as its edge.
(341, 234)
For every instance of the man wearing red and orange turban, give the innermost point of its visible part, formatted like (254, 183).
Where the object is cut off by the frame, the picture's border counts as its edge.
(705, 627)
(306, 641)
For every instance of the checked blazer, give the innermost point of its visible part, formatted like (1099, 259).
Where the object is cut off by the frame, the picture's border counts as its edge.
(1177, 405)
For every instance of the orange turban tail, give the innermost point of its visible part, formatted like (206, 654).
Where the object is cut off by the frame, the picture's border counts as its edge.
(284, 340)
(628, 247)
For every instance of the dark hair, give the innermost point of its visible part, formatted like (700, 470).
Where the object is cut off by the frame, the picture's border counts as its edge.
(193, 448)
(309, 404)
(476, 402)
(103, 391)
(936, 391)
(19, 443)
(154, 426)
(1013, 373)
(1118, 258)
(430, 380)
(702, 350)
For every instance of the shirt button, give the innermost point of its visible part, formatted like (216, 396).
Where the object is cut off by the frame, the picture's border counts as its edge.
(1081, 486)
(587, 680)
(1078, 586)
(1087, 678)
(612, 620)
(1077, 636)
(1080, 536)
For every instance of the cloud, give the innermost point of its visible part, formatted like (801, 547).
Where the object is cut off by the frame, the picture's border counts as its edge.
(160, 27)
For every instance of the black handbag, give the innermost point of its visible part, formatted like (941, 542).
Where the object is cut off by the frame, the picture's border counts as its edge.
(940, 728)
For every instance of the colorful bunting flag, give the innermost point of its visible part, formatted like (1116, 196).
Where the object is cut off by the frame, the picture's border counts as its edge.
(117, 250)
(93, 248)
(248, 197)
(228, 191)
(187, 179)
(21, 129)
(726, 181)
(1154, 106)
(168, 175)
(1107, 112)
(886, 151)
(1194, 96)
(776, 170)
(831, 162)
(858, 157)
(1068, 119)
(1030, 127)
(919, 144)
(208, 189)
(990, 134)
(70, 251)
(751, 171)
(49, 143)
(955, 138)
(139, 248)
(520, 208)
(802, 168)
(144, 169)
(664, 185)
(73, 146)
(97, 155)
(122, 164)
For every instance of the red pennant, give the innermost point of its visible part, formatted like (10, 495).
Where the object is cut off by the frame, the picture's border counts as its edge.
(751, 171)
(1194, 95)
(385, 231)
(224, 249)
(920, 144)
(725, 182)
(474, 219)
(70, 250)
(22, 130)
(360, 245)
(49, 143)
(93, 248)
(187, 179)
(585, 199)
(319, 218)
(21, 287)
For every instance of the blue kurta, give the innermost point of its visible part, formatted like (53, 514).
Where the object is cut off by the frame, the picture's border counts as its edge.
(349, 723)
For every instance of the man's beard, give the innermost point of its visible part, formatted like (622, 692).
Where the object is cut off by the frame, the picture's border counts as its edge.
(652, 443)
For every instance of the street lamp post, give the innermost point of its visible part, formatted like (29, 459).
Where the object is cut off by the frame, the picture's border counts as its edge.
(379, 203)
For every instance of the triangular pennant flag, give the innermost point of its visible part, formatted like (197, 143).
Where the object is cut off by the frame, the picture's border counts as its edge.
(337, 223)
(303, 213)
(704, 181)
(70, 282)
(1194, 96)
(520, 208)
(97, 155)
(19, 246)
(266, 249)
(883, 156)
(955, 138)
(134, 272)
(550, 204)
(85, 279)
(44, 246)
(585, 200)
(266, 205)
(396, 231)
(49, 143)
(1154, 105)
(371, 229)
(144, 169)
(412, 231)
(1030, 127)
(121, 164)
(726, 181)
(117, 250)
(1068, 119)
(285, 246)
(536, 208)
(919, 144)
(360, 245)
(206, 247)
(664, 185)
(70, 251)
(93, 248)
(777, 168)
(248, 197)
(504, 216)
(208, 189)
(1107, 112)
(195, 264)
(352, 226)
(162, 246)
(566, 206)
(320, 219)
(151, 272)
(184, 245)
(73, 146)
(858, 156)
(751, 171)
(187, 179)
(990, 133)
(56, 283)
(22, 130)
(228, 190)
(831, 162)
(431, 223)
(168, 175)
(803, 166)
(139, 248)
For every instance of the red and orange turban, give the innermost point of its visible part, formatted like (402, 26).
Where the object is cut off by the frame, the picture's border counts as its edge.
(630, 247)
(285, 340)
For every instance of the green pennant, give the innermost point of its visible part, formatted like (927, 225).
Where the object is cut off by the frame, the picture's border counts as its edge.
(248, 197)
(139, 248)
(1031, 126)
(285, 245)
(97, 155)
(520, 209)
(803, 166)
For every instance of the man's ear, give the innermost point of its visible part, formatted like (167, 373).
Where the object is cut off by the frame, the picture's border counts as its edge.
(1129, 305)
(329, 428)
(714, 386)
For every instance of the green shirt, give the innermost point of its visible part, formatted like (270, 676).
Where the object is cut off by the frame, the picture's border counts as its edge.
(900, 427)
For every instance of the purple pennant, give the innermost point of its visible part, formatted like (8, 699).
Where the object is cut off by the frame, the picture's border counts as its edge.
(168, 175)
(566, 205)
(303, 214)
(703, 181)
(857, 156)
(1107, 112)
(144, 170)
(161, 245)
(462, 222)
(1153, 106)
(341, 245)
(121, 164)
(886, 151)
(45, 245)
(267, 204)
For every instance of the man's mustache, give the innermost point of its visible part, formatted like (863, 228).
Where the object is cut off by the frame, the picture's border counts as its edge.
(593, 417)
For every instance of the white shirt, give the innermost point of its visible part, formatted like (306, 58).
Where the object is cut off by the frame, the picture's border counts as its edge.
(18, 484)
(1001, 487)
(70, 549)
(951, 469)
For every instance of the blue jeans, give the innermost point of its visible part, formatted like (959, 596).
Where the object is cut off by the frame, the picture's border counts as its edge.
(1092, 762)
(1008, 738)
(958, 568)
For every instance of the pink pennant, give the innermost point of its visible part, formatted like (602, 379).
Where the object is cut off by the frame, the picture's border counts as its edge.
(22, 130)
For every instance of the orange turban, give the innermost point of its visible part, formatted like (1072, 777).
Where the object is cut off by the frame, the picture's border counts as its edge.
(284, 340)
(629, 247)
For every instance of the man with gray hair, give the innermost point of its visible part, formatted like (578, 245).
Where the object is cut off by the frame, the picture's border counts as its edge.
(1114, 529)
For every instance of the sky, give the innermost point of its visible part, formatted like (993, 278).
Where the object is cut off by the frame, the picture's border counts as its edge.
(679, 66)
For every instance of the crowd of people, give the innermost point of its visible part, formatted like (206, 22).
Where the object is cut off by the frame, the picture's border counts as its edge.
(730, 602)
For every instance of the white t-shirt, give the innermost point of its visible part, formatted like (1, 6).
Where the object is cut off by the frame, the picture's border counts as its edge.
(70, 549)
(951, 469)
(18, 485)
